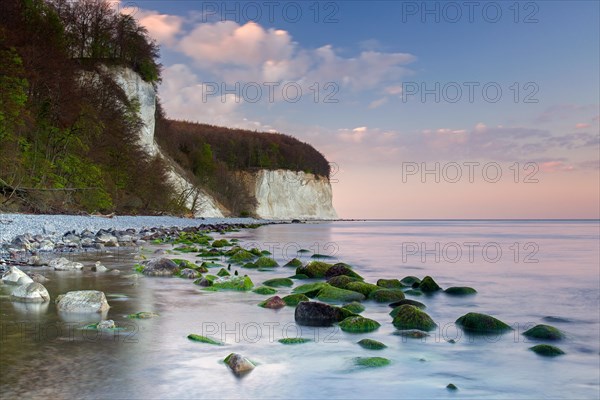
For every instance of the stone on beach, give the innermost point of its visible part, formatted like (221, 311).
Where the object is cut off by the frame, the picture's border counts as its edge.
(83, 301)
(62, 264)
(160, 267)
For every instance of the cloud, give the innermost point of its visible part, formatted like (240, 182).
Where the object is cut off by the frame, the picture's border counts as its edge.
(564, 111)
(582, 125)
(162, 27)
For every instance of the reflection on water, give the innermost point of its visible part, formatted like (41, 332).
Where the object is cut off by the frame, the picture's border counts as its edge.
(45, 354)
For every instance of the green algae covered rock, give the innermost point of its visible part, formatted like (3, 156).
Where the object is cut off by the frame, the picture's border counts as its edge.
(221, 243)
(410, 317)
(293, 299)
(362, 287)
(310, 289)
(241, 256)
(274, 303)
(415, 303)
(223, 272)
(241, 283)
(266, 262)
(544, 332)
(460, 291)
(386, 295)
(546, 350)
(264, 290)
(341, 281)
(428, 285)
(371, 344)
(299, 276)
(294, 340)
(204, 339)
(354, 307)
(390, 283)
(142, 315)
(410, 280)
(371, 362)
(314, 269)
(341, 269)
(358, 324)
(481, 323)
(331, 294)
(293, 263)
(279, 282)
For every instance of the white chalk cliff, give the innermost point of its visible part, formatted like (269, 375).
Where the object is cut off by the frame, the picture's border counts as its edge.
(280, 194)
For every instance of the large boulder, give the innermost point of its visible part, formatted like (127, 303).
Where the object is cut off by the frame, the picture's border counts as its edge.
(83, 301)
(160, 267)
(411, 317)
(274, 303)
(341, 269)
(481, 323)
(331, 294)
(362, 287)
(386, 295)
(14, 276)
(428, 285)
(31, 293)
(242, 283)
(358, 324)
(62, 264)
(312, 313)
(544, 332)
(314, 269)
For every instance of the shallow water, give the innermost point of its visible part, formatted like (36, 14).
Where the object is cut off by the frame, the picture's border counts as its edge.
(46, 355)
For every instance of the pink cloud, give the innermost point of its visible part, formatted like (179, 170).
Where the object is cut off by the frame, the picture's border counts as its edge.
(582, 125)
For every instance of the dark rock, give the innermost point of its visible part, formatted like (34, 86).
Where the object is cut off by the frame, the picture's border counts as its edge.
(460, 291)
(274, 302)
(428, 285)
(341, 269)
(160, 267)
(415, 303)
(316, 314)
(410, 317)
(386, 295)
(481, 323)
(547, 350)
(544, 332)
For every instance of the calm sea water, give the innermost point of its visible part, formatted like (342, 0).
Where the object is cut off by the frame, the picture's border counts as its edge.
(523, 271)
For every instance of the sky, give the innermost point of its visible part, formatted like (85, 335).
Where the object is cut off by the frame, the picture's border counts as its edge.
(484, 109)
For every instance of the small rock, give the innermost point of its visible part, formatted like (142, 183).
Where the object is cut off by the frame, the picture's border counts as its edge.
(451, 386)
(239, 364)
(189, 273)
(35, 261)
(39, 278)
(160, 267)
(98, 267)
(274, 302)
(106, 324)
(547, 350)
(62, 264)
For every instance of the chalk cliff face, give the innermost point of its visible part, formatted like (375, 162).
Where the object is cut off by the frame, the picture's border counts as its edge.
(280, 194)
(143, 92)
(284, 194)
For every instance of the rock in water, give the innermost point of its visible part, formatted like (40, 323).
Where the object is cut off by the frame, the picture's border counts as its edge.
(481, 323)
(106, 324)
(410, 317)
(32, 293)
(544, 332)
(160, 267)
(312, 313)
(39, 278)
(428, 285)
(14, 276)
(239, 364)
(98, 267)
(358, 324)
(546, 350)
(274, 302)
(83, 301)
(62, 264)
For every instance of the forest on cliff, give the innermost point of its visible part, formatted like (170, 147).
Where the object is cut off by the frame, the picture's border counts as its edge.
(69, 134)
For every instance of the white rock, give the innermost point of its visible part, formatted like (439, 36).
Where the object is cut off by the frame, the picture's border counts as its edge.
(98, 267)
(32, 292)
(14, 276)
(285, 194)
(62, 264)
(83, 301)
(106, 324)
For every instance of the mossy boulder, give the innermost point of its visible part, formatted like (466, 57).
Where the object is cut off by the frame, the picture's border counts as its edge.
(313, 313)
(274, 303)
(412, 333)
(293, 299)
(341, 281)
(428, 285)
(250, 265)
(293, 263)
(340, 269)
(186, 264)
(410, 317)
(362, 287)
(264, 290)
(223, 272)
(371, 344)
(358, 324)
(460, 291)
(314, 269)
(221, 243)
(415, 303)
(241, 283)
(266, 262)
(242, 256)
(544, 332)
(279, 282)
(256, 251)
(386, 295)
(546, 350)
(371, 362)
(294, 340)
(413, 292)
(390, 283)
(204, 339)
(481, 323)
(451, 387)
(208, 265)
(354, 307)
(331, 294)
(310, 289)
(410, 280)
